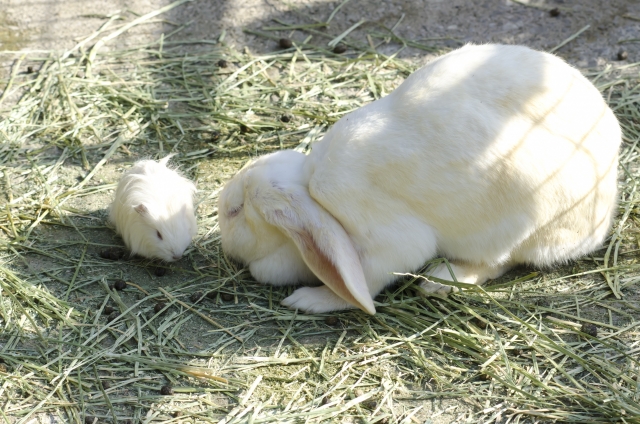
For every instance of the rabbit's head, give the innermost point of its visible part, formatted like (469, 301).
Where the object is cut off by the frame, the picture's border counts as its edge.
(269, 221)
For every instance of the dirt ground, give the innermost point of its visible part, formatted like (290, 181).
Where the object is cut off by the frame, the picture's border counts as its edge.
(56, 25)
(612, 27)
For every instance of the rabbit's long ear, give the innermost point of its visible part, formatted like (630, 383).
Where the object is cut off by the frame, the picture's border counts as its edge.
(324, 244)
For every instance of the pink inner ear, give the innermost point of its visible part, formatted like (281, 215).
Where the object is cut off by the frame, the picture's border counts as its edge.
(141, 209)
(327, 270)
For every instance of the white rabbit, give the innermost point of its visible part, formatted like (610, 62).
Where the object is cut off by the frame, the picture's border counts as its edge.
(153, 210)
(490, 156)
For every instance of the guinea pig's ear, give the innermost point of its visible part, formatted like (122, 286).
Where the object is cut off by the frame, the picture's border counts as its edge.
(324, 244)
(142, 210)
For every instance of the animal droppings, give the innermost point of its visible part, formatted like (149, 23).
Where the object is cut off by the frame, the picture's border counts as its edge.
(226, 297)
(339, 49)
(589, 329)
(331, 320)
(166, 390)
(485, 377)
(479, 323)
(119, 284)
(371, 404)
(285, 43)
(554, 13)
(112, 253)
(196, 297)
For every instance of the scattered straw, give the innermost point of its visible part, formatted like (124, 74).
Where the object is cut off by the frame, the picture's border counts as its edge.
(521, 350)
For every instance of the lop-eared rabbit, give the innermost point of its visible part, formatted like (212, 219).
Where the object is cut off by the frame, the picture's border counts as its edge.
(489, 156)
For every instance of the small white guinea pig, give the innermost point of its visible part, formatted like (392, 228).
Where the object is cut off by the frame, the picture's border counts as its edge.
(490, 156)
(153, 210)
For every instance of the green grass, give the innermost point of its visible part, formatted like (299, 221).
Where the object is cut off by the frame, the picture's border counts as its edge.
(515, 351)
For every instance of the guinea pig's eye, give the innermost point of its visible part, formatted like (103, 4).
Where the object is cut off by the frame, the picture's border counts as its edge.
(234, 211)
(158, 234)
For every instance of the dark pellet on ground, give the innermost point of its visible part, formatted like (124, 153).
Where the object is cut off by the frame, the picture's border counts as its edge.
(158, 307)
(29, 70)
(159, 271)
(371, 404)
(222, 63)
(195, 297)
(119, 284)
(244, 129)
(226, 297)
(166, 390)
(285, 43)
(113, 316)
(285, 118)
(331, 320)
(176, 414)
(107, 310)
(90, 420)
(479, 323)
(324, 400)
(212, 294)
(112, 253)
(116, 254)
(340, 48)
(622, 55)
(105, 254)
(106, 385)
(589, 329)
(555, 12)
(485, 377)
(215, 135)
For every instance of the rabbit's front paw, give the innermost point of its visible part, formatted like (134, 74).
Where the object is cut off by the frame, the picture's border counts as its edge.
(465, 273)
(431, 287)
(316, 300)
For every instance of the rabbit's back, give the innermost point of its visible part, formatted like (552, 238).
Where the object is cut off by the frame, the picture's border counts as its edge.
(498, 152)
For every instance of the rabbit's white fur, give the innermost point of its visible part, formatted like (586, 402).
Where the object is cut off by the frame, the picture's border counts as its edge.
(153, 210)
(490, 156)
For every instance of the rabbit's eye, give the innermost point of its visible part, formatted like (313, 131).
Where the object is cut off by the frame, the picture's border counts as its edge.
(234, 211)
(158, 234)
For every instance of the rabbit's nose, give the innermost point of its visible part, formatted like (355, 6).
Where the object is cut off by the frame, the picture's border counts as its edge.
(176, 257)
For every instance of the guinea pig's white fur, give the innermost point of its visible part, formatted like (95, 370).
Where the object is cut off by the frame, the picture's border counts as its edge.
(153, 210)
(490, 156)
